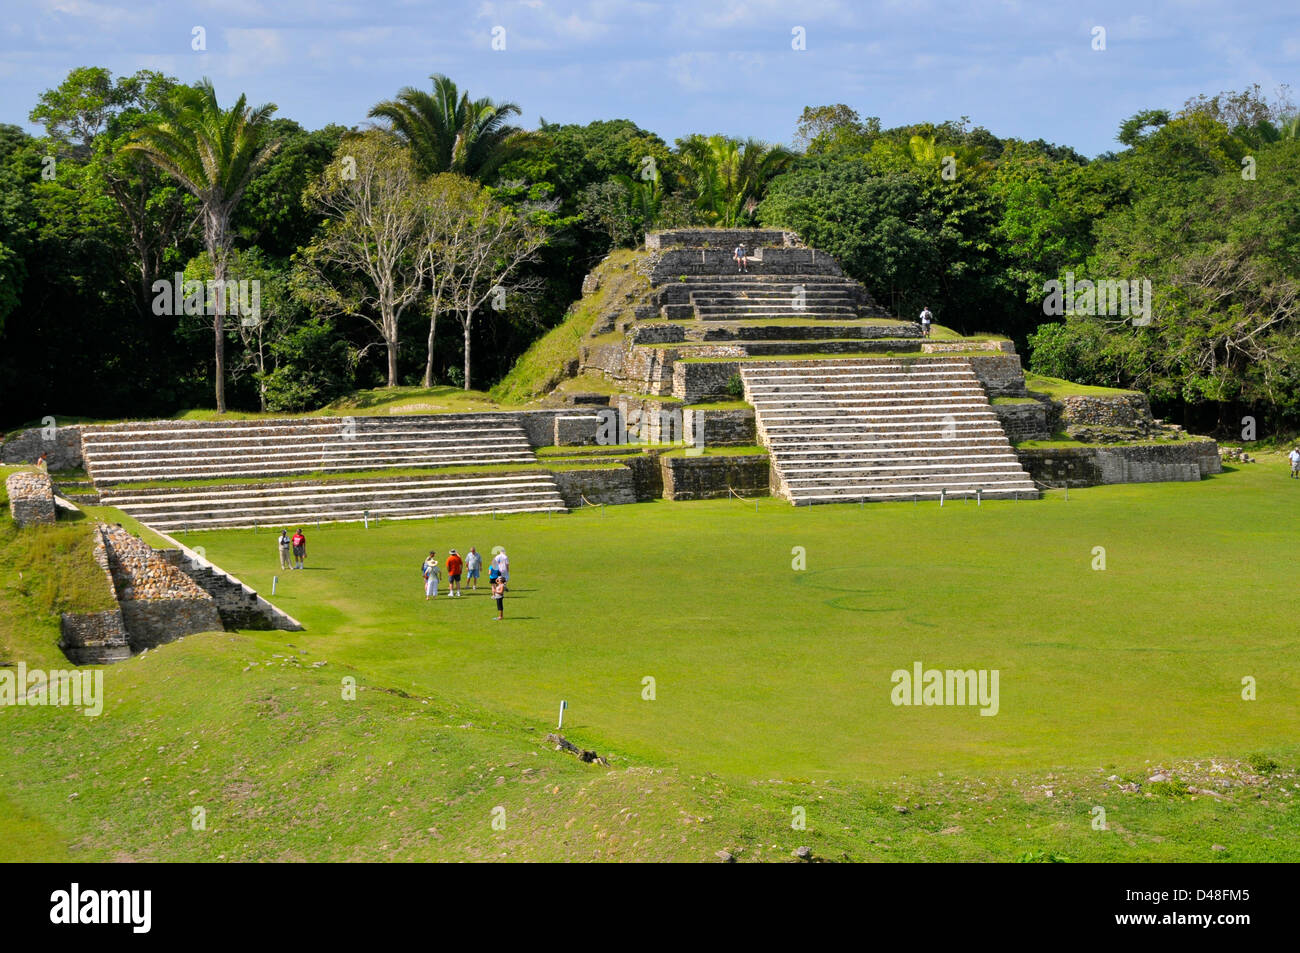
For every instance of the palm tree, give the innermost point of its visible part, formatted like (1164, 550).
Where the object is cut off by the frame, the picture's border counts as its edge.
(448, 132)
(214, 153)
(728, 176)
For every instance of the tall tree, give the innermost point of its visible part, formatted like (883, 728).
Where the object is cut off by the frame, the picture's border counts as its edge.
(371, 258)
(728, 177)
(478, 244)
(214, 153)
(446, 131)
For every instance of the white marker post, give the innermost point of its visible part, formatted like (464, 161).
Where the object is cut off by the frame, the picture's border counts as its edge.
(563, 705)
(366, 516)
(275, 581)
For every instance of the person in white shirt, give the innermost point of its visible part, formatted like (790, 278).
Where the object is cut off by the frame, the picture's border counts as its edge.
(1294, 457)
(926, 318)
(742, 258)
(501, 562)
(473, 563)
(431, 577)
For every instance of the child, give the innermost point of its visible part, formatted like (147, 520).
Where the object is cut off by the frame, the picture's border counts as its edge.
(499, 593)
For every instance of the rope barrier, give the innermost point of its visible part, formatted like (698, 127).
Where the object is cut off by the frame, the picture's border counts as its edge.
(589, 503)
(741, 498)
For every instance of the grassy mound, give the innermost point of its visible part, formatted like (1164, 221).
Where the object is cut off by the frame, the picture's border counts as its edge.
(44, 571)
(772, 693)
(554, 356)
(1056, 387)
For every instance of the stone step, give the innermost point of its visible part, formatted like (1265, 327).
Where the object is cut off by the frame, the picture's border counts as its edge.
(404, 512)
(112, 475)
(920, 492)
(958, 466)
(852, 430)
(332, 501)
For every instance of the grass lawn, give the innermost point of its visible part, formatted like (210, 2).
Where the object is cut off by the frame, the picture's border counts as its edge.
(772, 690)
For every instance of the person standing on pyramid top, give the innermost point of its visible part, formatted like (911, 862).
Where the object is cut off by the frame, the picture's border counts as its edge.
(926, 319)
(742, 258)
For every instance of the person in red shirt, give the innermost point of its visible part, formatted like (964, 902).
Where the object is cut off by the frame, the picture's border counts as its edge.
(453, 574)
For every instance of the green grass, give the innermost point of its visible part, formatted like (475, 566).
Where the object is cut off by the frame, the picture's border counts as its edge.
(44, 572)
(680, 451)
(547, 360)
(1055, 387)
(1062, 441)
(721, 405)
(772, 691)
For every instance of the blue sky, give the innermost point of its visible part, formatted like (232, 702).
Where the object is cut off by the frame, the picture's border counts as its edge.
(1023, 69)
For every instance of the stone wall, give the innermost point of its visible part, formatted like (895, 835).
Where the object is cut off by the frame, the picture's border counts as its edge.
(1023, 421)
(669, 265)
(608, 485)
(647, 476)
(695, 383)
(575, 431)
(1001, 374)
(708, 477)
(721, 428)
(159, 602)
(61, 445)
(31, 497)
(94, 638)
(239, 606)
(1119, 410)
(724, 238)
(1188, 460)
(942, 347)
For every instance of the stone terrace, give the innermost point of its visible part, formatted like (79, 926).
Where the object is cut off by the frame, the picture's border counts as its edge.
(849, 430)
(256, 452)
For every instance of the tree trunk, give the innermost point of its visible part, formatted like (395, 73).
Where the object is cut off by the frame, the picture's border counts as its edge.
(216, 241)
(392, 361)
(428, 361)
(467, 326)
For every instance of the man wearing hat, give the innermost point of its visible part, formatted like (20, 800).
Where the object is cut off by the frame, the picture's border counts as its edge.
(453, 574)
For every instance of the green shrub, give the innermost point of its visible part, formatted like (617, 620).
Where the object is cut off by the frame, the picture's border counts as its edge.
(1261, 763)
(736, 387)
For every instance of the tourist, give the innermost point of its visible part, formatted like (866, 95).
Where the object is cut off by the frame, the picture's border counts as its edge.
(453, 574)
(1294, 456)
(42, 463)
(926, 318)
(299, 542)
(430, 572)
(473, 562)
(742, 258)
(284, 550)
(499, 593)
(501, 566)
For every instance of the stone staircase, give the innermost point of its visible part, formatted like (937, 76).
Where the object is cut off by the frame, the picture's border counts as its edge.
(289, 504)
(754, 297)
(118, 457)
(200, 450)
(878, 429)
